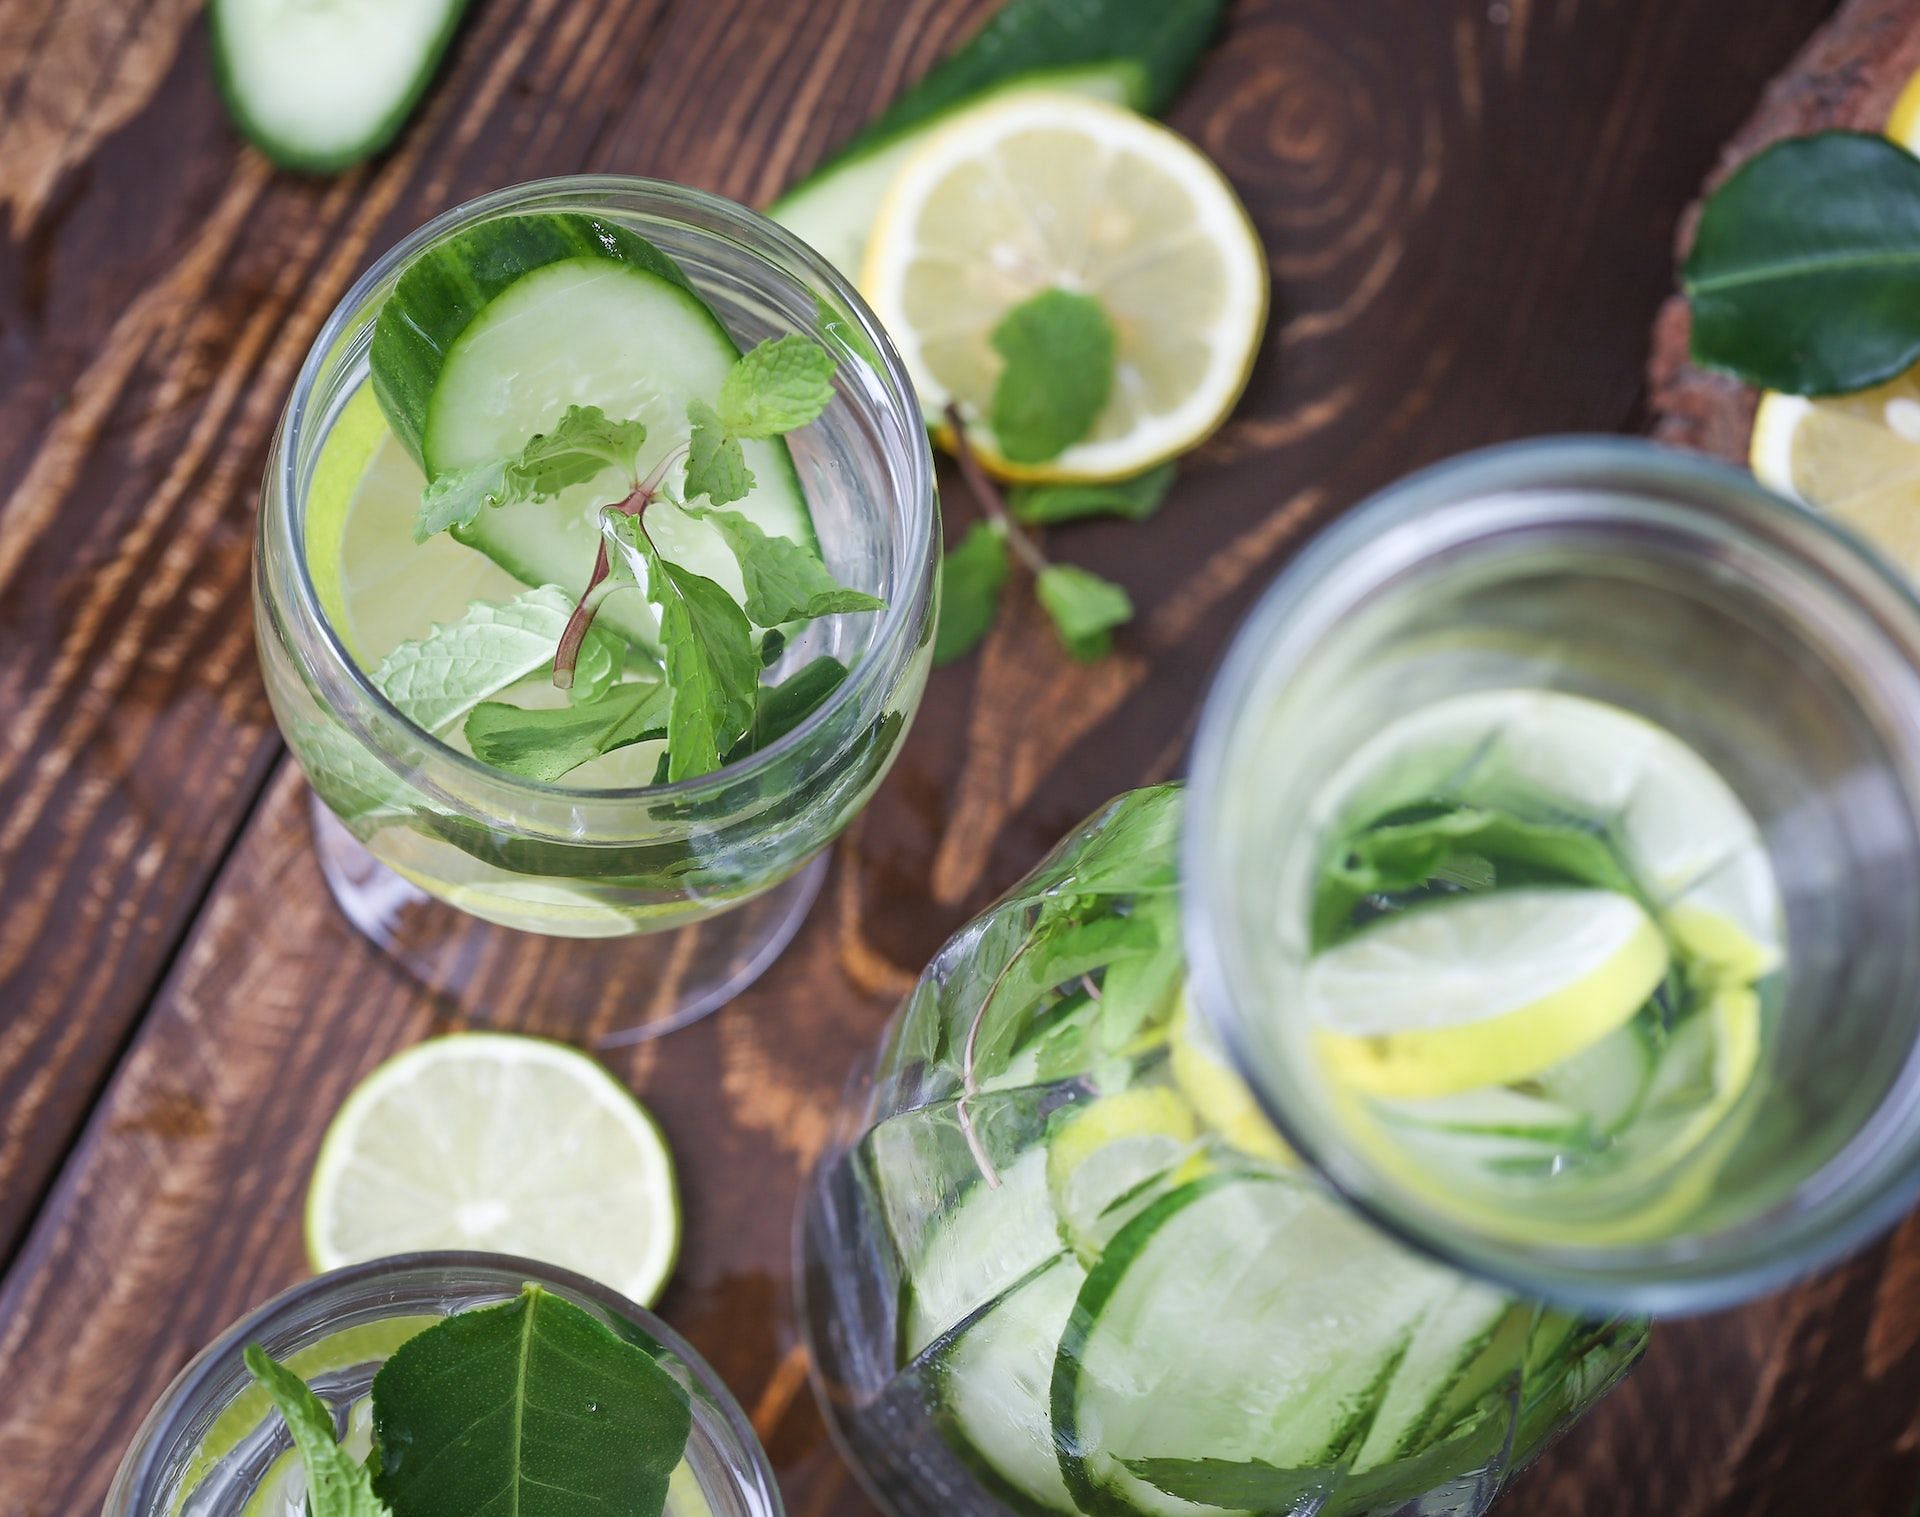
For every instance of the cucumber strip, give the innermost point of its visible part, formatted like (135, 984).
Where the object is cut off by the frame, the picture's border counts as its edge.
(1494, 1111)
(1607, 1080)
(991, 1239)
(491, 335)
(1453, 1334)
(1242, 1317)
(992, 1387)
(318, 85)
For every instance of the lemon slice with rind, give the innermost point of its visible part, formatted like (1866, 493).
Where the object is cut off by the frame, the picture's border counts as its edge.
(1039, 190)
(1481, 989)
(504, 1144)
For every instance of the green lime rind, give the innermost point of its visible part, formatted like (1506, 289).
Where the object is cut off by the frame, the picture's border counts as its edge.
(450, 284)
(361, 1344)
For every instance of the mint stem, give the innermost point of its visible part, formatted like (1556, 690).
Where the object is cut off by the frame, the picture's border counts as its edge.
(581, 622)
(987, 495)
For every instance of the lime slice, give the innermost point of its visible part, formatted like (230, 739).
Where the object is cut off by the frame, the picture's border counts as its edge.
(1481, 989)
(1215, 1090)
(358, 432)
(1036, 190)
(504, 1144)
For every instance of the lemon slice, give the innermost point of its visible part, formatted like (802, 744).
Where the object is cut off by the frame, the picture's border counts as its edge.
(1482, 989)
(1104, 1161)
(1038, 190)
(504, 1144)
(1855, 457)
(1214, 1089)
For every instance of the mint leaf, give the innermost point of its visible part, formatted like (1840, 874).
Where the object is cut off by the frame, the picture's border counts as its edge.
(1805, 271)
(533, 1407)
(716, 468)
(784, 581)
(778, 386)
(711, 666)
(455, 497)
(1135, 499)
(544, 745)
(583, 445)
(1138, 992)
(338, 1485)
(597, 669)
(437, 679)
(1085, 608)
(778, 709)
(772, 645)
(971, 575)
(1241, 1484)
(1058, 352)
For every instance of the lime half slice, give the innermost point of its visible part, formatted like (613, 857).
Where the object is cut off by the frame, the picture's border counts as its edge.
(504, 1144)
(1482, 989)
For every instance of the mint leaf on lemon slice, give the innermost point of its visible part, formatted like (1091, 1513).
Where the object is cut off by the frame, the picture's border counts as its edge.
(1056, 352)
(1481, 989)
(505, 1144)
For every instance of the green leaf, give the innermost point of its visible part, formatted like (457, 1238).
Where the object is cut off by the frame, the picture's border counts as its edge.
(1251, 1484)
(716, 467)
(711, 666)
(1085, 608)
(583, 445)
(544, 745)
(1135, 499)
(1805, 270)
(784, 581)
(778, 709)
(456, 496)
(1058, 355)
(971, 575)
(778, 386)
(534, 1408)
(437, 679)
(338, 1485)
(1138, 991)
(772, 645)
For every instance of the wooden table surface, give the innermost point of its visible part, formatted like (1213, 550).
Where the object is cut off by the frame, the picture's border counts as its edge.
(1468, 209)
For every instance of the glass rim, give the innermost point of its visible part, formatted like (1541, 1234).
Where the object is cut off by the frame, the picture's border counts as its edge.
(898, 621)
(1876, 1169)
(178, 1403)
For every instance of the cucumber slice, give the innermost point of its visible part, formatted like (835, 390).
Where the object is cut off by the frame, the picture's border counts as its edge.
(991, 1239)
(1133, 52)
(1607, 1080)
(1241, 1317)
(1453, 1334)
(320, 84)
(490, 336)
(993, 1385)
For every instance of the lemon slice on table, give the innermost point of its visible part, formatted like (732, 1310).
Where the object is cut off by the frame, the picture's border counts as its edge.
(1481, 989)
(1855, 457)
(504, 1144)
(1040, 190)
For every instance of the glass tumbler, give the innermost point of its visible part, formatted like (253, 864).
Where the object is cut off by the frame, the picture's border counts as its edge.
(661, 901)
(1779, 649)
(213, 1446)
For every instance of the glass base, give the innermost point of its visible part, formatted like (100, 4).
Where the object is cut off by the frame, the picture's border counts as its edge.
(639, 985)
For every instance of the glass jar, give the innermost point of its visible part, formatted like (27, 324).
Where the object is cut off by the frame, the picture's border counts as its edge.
(670, 897)
(1776, 647)
(213, 1446)
(1061, 1262)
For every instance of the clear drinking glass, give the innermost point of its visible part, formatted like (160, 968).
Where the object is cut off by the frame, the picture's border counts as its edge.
(213, 1446)
(1054, 1240)
(1780, 649)
(669, 898)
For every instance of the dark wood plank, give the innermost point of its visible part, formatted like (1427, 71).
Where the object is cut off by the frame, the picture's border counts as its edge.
(1468, 211)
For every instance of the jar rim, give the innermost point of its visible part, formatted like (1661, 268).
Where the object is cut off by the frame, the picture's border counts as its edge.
(898, 622)
(1871, 1179)
(149, 1460)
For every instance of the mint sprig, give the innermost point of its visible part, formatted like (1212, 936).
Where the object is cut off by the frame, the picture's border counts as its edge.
(784, 581)
(583, 445)
(1084, 608)
(546, 745)
(338, 1485)
(1057, 357)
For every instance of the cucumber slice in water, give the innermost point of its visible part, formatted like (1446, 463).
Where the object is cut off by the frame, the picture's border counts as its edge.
(1452, 1335)
(993, 1386)
(320, 84)
(1241, 1317)
(1133, 52)
(490, 336)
